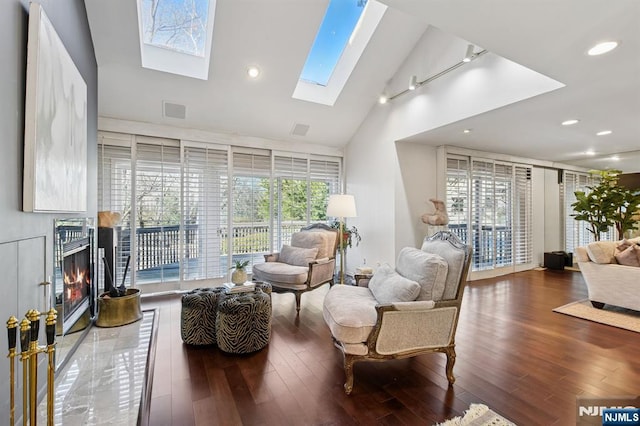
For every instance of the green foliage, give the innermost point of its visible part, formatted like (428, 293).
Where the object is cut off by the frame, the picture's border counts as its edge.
(239, 265)
(607, 204)
(349, 235)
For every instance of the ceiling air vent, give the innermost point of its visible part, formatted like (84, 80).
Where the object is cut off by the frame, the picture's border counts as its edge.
(174, 110)
(300, 129)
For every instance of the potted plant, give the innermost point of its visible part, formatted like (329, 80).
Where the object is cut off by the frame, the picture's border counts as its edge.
(349, 235)
(239, 275)
(607, 204)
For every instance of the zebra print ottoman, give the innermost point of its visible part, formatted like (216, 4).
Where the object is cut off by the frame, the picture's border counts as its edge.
(198, 316)
(243, 323)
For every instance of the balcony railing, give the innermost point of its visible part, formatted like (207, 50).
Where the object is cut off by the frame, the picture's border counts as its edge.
(159, 246)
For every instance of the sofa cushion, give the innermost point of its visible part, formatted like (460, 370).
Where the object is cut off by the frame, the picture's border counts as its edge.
(629, 256)
(324, 241)
(350, 313)
(277, 272)
(427, 269)
(388, 286)
(298, 256)
(602, 251)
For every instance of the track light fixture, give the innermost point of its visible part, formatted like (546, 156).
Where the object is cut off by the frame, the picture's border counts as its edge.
(469, 56)
(413, 81)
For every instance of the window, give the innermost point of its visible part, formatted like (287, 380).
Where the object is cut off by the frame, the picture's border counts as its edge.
(251, 204)
(490, 207)
(204, 211)
(176, 35)
(346, 29)
(189, 209)
(338, 25)
(576, 232)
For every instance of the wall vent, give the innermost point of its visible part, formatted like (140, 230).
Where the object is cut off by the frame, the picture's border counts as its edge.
(172, 110)
(300, 129)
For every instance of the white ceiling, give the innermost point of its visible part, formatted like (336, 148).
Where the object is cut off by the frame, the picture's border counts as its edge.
(548, 36)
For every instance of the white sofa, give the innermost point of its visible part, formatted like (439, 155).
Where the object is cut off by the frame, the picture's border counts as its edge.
(607, 281)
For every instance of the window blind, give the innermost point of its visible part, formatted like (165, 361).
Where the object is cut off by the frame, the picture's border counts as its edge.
(523, 215)
(115, 181)
(158, 213)
(204, 212)
(251, 206)
(489, 204)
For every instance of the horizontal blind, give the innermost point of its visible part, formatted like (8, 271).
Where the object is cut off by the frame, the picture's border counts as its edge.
(204, 212)
(251, 207)
(482, 214)
(115, 182)
(291, 197)
(523, 216)
(158, 212)
(325, 180)
(457, 198)
(503, 225)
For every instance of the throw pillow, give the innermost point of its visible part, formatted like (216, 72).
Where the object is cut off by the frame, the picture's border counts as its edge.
(629, 256)
(427, 269)
(387, 286)
(624, 244)
(297, 255)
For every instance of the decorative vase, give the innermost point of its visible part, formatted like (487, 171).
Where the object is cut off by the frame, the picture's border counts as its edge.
(239, 276)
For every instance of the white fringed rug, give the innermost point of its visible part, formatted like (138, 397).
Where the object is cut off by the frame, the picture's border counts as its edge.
(478, 415)
(610, 315)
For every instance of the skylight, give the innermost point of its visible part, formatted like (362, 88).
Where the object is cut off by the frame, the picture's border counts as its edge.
(175, 35)
(338, 25)
(344, 33)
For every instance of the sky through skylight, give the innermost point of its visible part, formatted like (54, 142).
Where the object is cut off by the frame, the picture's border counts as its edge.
(339, 23)
(179, 25)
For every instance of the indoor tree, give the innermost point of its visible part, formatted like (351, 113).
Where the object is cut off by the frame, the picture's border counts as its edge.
(607, 204)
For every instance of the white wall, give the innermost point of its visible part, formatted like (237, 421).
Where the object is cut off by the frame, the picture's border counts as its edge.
(392, 180)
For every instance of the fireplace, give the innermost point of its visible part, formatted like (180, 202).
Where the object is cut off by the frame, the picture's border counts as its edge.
(76, 280)
(74, 272)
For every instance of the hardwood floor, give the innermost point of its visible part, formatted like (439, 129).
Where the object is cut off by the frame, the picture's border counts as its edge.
(514, 354)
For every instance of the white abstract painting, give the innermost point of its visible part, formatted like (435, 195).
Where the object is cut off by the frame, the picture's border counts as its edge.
(55, 153)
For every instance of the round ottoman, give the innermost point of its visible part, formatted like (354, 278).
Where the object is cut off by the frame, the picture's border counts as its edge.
(198, 316)
(243, 323)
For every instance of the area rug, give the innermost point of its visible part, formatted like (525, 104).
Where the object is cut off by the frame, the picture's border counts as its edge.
(478, 415)
(610, 315)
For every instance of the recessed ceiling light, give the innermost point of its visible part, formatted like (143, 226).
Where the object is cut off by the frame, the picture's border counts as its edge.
(466, 131)
(570, 122)
(590, 152)
(383, 99)
(602, 48)
(615, 158)
(253, 71)
(604, 133)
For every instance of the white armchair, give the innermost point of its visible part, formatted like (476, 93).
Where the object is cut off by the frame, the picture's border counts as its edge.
(403, 312)
(307, 263)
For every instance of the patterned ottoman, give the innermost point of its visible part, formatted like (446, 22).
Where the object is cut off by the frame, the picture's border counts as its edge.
(198, 316)
(243, 323)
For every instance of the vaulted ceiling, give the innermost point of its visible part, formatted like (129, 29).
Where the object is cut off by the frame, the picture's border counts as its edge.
(547, 36)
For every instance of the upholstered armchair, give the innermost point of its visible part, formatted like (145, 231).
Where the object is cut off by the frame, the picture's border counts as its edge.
(405, 311)
(308, 262)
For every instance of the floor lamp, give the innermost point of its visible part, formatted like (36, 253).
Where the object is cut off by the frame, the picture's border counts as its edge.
(341, 206)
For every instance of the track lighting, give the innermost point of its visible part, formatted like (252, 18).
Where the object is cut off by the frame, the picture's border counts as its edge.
(469, 56)
(413, 81)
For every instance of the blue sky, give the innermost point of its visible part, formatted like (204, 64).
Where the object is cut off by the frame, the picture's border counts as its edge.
(335, 30)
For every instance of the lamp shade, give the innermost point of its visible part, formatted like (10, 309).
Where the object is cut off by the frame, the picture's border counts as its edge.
(341, 205)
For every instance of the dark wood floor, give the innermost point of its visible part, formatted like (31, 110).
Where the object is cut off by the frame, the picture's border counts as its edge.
(514, 354)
